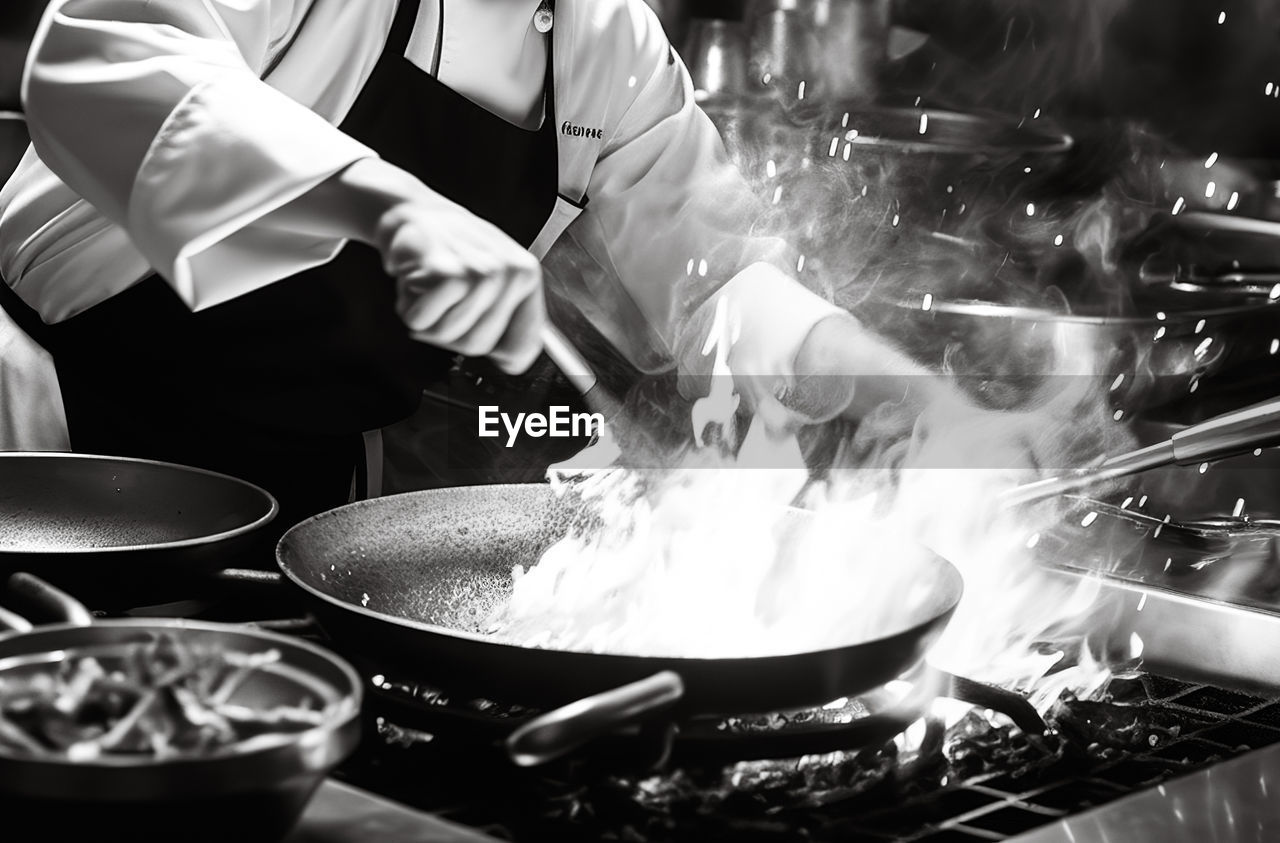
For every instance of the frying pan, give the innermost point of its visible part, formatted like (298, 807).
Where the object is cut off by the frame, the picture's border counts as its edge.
(409, 581)
(121, 529)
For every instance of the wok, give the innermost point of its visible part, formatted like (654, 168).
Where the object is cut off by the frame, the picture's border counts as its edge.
(409, 580)
(120, 529)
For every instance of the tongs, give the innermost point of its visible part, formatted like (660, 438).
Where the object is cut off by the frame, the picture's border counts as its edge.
(1227, 435)
(578, 372)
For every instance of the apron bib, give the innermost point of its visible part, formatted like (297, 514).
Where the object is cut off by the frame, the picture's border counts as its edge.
(276, 386)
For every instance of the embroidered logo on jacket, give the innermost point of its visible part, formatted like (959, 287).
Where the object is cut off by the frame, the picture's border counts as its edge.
(573, 131)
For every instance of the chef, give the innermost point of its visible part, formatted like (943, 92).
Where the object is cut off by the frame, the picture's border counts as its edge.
(255, 228)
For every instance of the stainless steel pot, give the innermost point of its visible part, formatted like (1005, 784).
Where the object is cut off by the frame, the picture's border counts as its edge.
(819, 49)
(247, 792)
(1143, 360)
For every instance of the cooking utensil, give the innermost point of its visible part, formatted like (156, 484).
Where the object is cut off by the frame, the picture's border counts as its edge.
(1203, 244)
(251, 792)
(116, 528)
(1146, 359)
(1224, 436)
(716, 55)
(409, 581)
(835, 48)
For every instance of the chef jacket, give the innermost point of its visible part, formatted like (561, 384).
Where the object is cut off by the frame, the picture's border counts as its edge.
(166, 133)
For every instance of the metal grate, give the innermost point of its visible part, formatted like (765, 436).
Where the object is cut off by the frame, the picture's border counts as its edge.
(1210, 724)
(1219, 724)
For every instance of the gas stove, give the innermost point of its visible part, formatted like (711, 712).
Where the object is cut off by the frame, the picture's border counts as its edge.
(927, 757)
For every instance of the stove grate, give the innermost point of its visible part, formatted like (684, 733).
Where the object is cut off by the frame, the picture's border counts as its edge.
(1223, 723)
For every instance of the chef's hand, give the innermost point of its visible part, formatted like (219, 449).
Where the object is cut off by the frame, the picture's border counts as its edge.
(464, 285)
(953, 434)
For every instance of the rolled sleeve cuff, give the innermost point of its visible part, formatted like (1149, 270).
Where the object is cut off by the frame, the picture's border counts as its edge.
(232, 152)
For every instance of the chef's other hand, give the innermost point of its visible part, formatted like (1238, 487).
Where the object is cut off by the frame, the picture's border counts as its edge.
(463, 284)
(951, 434)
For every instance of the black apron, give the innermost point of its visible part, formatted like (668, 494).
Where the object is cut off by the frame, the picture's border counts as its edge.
(276, 386)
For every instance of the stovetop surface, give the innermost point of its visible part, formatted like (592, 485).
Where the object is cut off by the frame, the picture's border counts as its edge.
(974, 781)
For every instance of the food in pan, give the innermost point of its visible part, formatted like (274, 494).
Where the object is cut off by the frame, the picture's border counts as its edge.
(715, 566)
(163, 698)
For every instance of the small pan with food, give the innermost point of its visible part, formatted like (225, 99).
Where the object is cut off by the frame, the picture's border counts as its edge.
(161, 730)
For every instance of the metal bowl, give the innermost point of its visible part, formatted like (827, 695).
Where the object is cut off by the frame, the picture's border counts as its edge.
(251, 791)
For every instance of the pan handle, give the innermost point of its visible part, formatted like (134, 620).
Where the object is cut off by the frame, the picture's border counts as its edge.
(556, 733)
(54, 601)
(249, 576)
(12, 622)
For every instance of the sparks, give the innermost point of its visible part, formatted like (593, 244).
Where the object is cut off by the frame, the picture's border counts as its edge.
(844, 121)
(1200, 326)
(770, 169)
(835, 143)
(1239, 510)
(1222, 18)
(1275, 346)
(1275, 293)
(1142, 501)
(1160, 332)
(800, 264)
(1033, 540)
(689, 268)
(896, 219)
(702, 267)
(1142, 602)
(1269, 88)
(848, 148)
(1209, 190)
(1179, 205)
(777, 195)
(1233, 201)
(1089, 519)
(1057, 241)
(1204, 466)
(1211, 160)
(1135, 646)
(927, 304)
(800, 90)
(1257, 452)
(1126, 503)
(1036, 116)
(924, 123)
(836, 705)
(1031, 209)
(1119, 414)
(1115, 384)
(1203, 347)
(631, 83)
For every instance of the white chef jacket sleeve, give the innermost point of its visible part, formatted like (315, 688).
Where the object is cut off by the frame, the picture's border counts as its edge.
(670, 217)
(154, 112)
